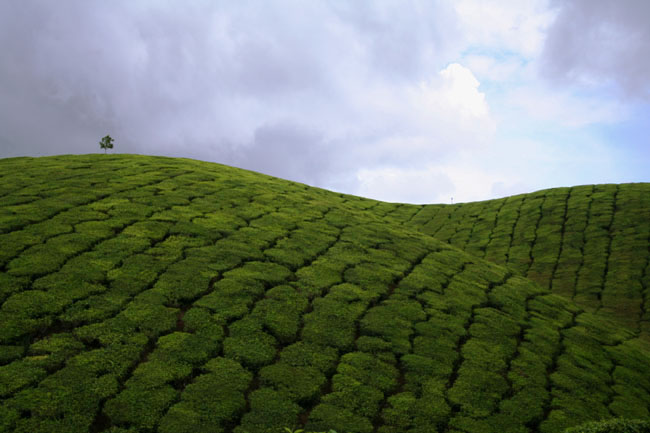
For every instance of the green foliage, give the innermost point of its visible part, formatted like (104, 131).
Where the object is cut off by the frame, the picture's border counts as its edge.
(270, 411)
(618, 425)
(303, 354)
(142, 294)
(140, 407)
(325, 416)
(332, 322)
(299, 384)
(249, 344)
(18, 374)
(201, 409)
(280, 312)
(106, 143)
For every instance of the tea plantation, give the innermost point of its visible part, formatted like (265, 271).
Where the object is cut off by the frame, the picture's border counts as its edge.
(589, 243)
(150, 294)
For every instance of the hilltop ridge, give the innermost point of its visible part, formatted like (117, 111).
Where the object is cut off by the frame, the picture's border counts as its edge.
(135, 287)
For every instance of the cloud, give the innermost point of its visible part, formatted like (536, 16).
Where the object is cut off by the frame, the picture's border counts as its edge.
(393, 99)
(395, 184)
(600, 44)
(313, 92)
(299, 154)
(563, 108)
(508, 26)
(460, 180)
(461, 91)
(488, 67)
(297, 90)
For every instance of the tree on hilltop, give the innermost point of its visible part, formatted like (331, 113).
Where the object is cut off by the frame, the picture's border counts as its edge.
(106, 143)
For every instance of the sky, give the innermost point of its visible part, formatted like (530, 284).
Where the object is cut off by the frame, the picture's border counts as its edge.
(404, 101)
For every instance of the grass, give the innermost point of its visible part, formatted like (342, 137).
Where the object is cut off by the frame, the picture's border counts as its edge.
(143, 294)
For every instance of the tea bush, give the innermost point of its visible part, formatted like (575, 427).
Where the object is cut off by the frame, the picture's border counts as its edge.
(142, 294)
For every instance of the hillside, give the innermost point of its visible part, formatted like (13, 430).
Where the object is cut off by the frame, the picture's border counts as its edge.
(145, 294)
(586, 243)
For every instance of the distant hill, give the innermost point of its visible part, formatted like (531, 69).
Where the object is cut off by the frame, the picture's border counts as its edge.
(587, 243)
(143, 294)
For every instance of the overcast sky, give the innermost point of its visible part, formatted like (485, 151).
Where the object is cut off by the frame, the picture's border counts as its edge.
(408, 101)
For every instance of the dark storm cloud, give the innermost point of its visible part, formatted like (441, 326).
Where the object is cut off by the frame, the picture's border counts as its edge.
(278, 87)
(600, 43)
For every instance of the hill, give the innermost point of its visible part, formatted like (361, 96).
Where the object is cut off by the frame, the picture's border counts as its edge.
(146, 294)
(587, 243)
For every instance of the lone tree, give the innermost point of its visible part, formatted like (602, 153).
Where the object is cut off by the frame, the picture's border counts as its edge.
(106, 143)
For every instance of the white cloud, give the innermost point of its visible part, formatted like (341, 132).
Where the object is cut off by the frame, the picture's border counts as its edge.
(510, 25)
(486, 67)
(444, 116)
(460, 180)
(460, 91)
(561, 108)
(511, 165)
(395, 100)
(403, 185)
(450, 107)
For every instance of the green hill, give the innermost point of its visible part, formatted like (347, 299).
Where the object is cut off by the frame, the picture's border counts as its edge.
(143, 294)
(586, 243)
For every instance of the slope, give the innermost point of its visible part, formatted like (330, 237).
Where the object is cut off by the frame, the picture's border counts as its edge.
(589, 243)
(145, 294)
